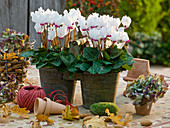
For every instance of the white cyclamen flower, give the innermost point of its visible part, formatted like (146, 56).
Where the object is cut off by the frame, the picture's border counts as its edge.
(103, 20)
(36, 16)
(62, 31)
(114, 22)
(126, 21)
(82, 23)
(120, 45)
(94, 34)
(38, 28)
(103, 32)
(68, 20)
(114, 36)
(92, 20)
(58, 21)
(122, 36)
(121, 29)
(51, 33)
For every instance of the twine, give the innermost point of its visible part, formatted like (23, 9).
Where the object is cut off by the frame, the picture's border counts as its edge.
(27, 95)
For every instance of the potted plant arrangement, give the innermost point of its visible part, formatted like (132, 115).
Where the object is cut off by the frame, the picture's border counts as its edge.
(146, 90)
(99, 60)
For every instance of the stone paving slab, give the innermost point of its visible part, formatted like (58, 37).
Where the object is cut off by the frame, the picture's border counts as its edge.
(160, 114)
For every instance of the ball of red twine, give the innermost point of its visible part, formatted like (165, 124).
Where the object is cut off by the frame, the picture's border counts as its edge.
(26, 96)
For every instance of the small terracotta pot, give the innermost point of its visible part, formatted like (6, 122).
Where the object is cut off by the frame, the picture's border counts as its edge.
(39, 106)
(46, 106)
(53, 107)
(144, 109)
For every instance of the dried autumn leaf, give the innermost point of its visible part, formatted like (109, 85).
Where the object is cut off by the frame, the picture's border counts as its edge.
(70, 113)
(117, 119)
(44, 117)
(20, 111)
(39, 118)
(5, 110)
(128, 118)
(35, 124)
(95, 122)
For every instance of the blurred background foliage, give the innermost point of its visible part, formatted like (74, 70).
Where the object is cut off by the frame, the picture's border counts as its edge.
(150, 28)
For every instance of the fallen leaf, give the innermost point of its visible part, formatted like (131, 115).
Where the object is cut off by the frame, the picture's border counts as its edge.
(44, 118)
(20, 111)
(95, 122)
(70, 113)
(41, 118)
(119, 119)
(5, 110)
(35, 124)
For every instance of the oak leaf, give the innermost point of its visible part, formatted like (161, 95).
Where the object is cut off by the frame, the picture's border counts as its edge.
(119, 119)
(39, 118)
(95, 122)
(20, 111)
(70, 113)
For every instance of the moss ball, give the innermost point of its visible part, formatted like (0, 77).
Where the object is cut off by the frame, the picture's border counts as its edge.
(99, 108)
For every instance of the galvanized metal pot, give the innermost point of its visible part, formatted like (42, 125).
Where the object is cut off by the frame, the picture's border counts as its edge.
(54, 79)
(99, 88)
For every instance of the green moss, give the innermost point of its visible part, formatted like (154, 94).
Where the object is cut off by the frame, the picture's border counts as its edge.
(99, 108)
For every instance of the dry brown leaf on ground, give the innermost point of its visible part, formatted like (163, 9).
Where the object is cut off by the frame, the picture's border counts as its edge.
(20, 111)
(35, 124)
(44, 118)
(70, 113)
(39, 118)
(119, 119)
(95, 122)
(5, 110)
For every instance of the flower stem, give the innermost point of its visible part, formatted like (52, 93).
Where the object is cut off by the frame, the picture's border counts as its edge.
(56, 36)
(99, 50)
(74, 34)
(47, 38)
(61, 40)
(111, 48)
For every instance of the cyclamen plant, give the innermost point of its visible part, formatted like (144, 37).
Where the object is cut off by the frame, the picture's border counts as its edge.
(101, 31)
(102, 52)
(146, 89)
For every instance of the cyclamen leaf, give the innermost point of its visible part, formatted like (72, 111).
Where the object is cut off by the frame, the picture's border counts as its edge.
(116, 52)
(118, 64)
(41, 65)
(67, 59)
(83, 66)
(106, 62)
(106, 55)
(100, 68)
(91, 70)
(91, 53)
(126, 57)
(127, 67)
(56, 63)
